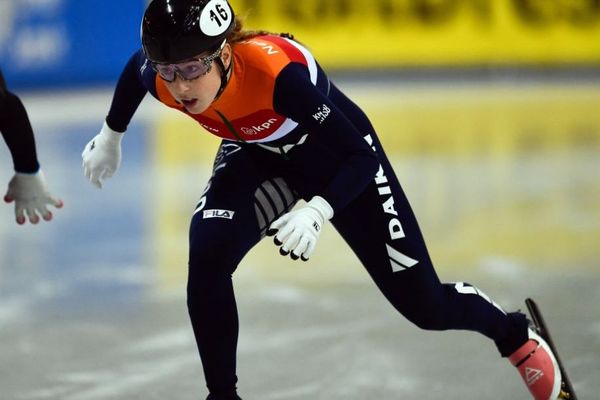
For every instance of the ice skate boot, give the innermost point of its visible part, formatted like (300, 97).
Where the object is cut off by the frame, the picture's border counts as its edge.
(539, 364)
(538, 368)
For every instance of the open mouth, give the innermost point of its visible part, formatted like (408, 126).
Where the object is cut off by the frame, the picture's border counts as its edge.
(189, 103)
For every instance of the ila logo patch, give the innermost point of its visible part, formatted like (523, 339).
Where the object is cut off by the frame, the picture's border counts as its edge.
(227, 214)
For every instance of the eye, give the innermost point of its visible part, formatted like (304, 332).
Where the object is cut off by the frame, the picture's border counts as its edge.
(193, 71)
(165, 70)
(192, 68)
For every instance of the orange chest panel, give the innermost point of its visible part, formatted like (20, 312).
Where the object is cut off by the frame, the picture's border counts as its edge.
(245, 110)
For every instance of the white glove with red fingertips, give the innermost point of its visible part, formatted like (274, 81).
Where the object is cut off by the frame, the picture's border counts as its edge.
(31, 197)
(102, 155)
(297, 231)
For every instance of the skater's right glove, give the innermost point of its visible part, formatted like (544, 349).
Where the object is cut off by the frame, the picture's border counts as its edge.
(102, 155)
(297, 231)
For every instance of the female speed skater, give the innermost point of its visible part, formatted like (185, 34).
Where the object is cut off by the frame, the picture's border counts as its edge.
(288, 133)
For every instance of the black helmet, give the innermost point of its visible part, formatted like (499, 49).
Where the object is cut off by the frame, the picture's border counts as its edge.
(176, 30)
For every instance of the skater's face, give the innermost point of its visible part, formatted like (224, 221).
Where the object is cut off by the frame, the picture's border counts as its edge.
(195, 83)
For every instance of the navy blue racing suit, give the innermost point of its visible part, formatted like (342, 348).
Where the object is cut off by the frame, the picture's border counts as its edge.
(332, 151)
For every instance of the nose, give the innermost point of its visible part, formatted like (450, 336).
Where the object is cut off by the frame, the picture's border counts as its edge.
(181, 85)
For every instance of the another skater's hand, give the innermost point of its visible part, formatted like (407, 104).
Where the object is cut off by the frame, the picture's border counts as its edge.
(102, 155)
(297, 231)
(31, 197)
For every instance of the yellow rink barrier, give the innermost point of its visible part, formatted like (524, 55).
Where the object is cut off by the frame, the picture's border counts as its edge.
(392, 33)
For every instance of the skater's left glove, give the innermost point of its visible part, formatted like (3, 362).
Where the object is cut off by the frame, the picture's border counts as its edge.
(297, 231)
(31, 197)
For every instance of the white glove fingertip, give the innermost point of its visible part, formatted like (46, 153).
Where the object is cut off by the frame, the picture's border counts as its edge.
(19, 214)
(97, 177)
(300, 248)
(95, 180)
(31, 214)
(42, 210)
(58, 203)
(278, 222)
(46, 214)
(283, 234)
(310, 248)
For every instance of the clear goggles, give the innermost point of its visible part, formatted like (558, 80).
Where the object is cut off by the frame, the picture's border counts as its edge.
(187, 70)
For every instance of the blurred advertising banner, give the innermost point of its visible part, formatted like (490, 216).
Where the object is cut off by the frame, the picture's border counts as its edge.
(400, 33)
(48, 43)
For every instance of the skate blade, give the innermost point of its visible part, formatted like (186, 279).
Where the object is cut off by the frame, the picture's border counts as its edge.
(567, 391)
(564, 393)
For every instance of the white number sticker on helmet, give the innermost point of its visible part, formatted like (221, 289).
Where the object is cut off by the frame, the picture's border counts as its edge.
(215, 18)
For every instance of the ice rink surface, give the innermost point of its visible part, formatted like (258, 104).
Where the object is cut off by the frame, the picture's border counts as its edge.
(504, 177)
